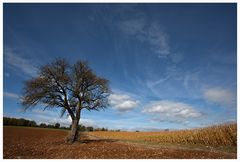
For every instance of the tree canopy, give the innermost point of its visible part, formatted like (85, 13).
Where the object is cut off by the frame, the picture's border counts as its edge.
(68, 87)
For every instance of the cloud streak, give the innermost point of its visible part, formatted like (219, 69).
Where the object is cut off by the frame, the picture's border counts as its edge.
(11, 95)
(19, 63)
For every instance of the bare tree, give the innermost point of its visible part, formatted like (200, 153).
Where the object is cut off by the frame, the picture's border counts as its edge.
(71, 88)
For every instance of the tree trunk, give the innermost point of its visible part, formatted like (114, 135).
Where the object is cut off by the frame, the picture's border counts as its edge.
(74, 132)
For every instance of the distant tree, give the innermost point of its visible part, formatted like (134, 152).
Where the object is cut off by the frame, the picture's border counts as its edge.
(57, 125)
(50, 126)
(13, 121)
(32, 123)
(103, 129)
(71, 88)
(89, 129)
(63, 128)
(81, 128)
(6, 121)
(21, 122)
(43, 125)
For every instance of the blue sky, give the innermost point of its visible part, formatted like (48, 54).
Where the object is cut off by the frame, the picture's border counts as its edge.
(169, 65)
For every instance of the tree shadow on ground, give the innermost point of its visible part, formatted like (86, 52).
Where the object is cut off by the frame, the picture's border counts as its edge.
(86, 141)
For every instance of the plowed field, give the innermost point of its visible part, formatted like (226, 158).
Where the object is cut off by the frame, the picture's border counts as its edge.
(37, 143)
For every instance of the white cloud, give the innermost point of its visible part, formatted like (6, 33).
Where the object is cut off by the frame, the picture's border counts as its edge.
(218, 95)
(150, 33)
(172, 112)
(11, 95)
(19, 63)
(122, 103)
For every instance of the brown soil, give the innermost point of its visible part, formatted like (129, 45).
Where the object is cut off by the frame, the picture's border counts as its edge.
(36, 143)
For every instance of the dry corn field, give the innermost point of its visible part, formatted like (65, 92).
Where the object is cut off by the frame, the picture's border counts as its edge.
(220, 135)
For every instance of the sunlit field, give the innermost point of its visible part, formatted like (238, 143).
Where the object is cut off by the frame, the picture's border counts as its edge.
(219, 135)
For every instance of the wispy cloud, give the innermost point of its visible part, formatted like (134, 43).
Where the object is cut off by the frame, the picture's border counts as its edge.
(219, 96)
(150, 33)
(133, 27)
(177, 57)
(43, 118)
(19, 63)
(88, 122)
(158, 40)
(171, 111)
(171, 72)
(7, 75)
(192, 84)
(122, 102)
(162, 84)
(11, 95)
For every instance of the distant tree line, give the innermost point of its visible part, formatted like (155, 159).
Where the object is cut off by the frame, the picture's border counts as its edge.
(83, 128)
(19, 122)
(57, 126)
(31, 123)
